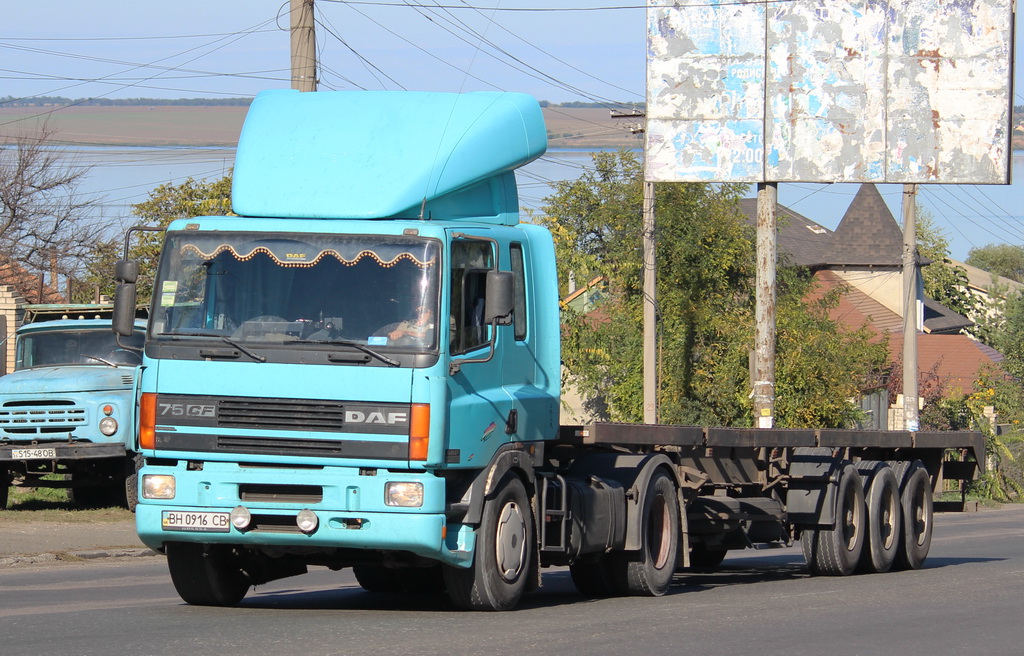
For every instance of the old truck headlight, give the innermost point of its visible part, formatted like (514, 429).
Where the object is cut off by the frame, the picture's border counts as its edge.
(108, 426)
(157, 486)
(404, 494)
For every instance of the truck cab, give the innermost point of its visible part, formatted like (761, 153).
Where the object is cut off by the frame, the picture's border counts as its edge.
(68, 408)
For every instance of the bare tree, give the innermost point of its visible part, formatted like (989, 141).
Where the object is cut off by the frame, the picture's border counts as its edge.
(45, 223)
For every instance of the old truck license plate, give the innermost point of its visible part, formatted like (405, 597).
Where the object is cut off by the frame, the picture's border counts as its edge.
(214, 522)
(33, 454)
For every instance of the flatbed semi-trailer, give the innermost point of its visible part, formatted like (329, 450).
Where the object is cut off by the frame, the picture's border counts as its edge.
(363, 370)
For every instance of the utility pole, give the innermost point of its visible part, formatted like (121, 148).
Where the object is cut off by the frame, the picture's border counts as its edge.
(303, 40)
(763, 382)
(910, 402)
(650, 315)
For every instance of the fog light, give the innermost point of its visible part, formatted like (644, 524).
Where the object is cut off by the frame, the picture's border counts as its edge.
(404, 494)
(240, 517)
(108, 426)
(157, 486)
(306, 520)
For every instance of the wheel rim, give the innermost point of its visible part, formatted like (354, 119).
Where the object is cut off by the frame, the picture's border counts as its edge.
(658, 528)
(888, 526)
(919, 524)
(510, 541)
(851, 518)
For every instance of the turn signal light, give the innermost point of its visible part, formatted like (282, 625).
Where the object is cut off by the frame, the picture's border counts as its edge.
(419, 431)
(147, 421)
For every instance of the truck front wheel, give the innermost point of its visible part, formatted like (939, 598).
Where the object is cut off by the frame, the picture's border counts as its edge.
(206, 575)
(504, 549)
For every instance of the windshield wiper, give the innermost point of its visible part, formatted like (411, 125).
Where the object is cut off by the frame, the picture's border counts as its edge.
(356, 345)
(227, 340)
(99, 359)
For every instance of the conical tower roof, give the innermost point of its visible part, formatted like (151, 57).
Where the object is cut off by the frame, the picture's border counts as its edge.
(868, 235)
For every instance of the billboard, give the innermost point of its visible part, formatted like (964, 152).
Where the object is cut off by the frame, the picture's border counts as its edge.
(918, 91)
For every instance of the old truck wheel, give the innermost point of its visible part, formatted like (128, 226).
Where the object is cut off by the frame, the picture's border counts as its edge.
(206, 575)
(835, 551)
(648, 572)
(882, 496)
(916, 501)
(504, 549)
(5, 487)
(592, 576)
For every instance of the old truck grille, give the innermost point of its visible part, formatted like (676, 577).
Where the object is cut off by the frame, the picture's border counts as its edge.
(282, 414)
(40, 417)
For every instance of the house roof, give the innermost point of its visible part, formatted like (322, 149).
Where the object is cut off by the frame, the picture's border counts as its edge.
(855, 308)
(25, 283)
(868, 235)
(801, 240)
(956, 359)
(983, 280)
(940, 319)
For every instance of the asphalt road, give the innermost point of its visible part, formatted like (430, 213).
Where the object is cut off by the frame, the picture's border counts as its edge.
(967, 600)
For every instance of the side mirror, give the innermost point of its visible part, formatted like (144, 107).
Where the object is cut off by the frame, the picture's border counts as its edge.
(500, 298)
(126, 272)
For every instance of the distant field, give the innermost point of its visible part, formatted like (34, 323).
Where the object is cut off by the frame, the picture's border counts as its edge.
(219, 126)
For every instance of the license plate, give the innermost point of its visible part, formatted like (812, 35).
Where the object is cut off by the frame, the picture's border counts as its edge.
(33, 454)
(199, 522)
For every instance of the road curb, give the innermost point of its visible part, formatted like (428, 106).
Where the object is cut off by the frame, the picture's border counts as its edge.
(71, 556)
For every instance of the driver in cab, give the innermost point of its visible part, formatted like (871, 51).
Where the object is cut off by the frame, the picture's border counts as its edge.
(420, 328)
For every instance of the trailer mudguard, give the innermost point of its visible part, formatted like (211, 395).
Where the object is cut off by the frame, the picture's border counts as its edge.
(814, 477)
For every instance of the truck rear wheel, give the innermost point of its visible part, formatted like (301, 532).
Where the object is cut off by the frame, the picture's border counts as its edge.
(835, 551)
(916, 501)
(206, 575)
(882, 496)
(648, 572)
(504, 551)
(5, 487)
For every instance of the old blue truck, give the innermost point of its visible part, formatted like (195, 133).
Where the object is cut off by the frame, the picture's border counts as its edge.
(362, 370)
(67, 411)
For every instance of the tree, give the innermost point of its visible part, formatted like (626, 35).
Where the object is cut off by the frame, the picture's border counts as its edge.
(44, 223)
(705, 254)
(944, 281)
(166, 203)
(1005, 260)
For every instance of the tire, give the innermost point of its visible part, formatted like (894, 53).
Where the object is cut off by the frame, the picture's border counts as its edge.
(377, 578)
(131, 481)
(592, 575)
(5, 488)
(503, 556)
(835, 551)
(882, 496)
(703, 558)
(916, 501)
(206, 575)
(648, 572)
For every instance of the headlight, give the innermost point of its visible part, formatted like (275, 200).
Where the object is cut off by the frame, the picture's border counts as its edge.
(108, 426)
(403, 494)
(157, 486)
(307, 520)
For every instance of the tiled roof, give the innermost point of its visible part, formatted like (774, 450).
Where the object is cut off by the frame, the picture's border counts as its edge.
(802, 242)
(855, 308)
(957, 359)
(26, 284)
(868, 235)
(940, 319)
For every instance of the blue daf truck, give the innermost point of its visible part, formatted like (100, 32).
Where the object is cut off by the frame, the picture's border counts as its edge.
(67, 411)
(362, 370)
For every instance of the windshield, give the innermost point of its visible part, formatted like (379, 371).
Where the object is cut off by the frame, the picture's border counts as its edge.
(63, 347)
(267, 288)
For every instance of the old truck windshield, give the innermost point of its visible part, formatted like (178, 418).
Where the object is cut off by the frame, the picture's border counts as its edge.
(95, 346)
(264, 289)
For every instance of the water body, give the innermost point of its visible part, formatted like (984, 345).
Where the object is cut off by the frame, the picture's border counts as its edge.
(969, 215)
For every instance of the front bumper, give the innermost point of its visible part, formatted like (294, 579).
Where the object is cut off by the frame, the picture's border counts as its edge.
(349, 506)
(62, 451)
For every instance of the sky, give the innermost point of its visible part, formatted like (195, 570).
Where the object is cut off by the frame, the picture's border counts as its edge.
(555, 50)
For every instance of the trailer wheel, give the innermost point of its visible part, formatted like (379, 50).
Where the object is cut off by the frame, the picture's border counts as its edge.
(882, 495)
(835, 551)
(916, 500)
(648, 572)
(504, 550)
(206, 576)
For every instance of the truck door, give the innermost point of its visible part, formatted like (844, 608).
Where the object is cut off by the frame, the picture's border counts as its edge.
(480, 406)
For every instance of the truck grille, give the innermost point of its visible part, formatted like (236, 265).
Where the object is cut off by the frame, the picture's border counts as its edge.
(282, 414)
(40, 417)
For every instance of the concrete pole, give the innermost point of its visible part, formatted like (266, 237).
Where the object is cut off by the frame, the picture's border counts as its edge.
(650, 310)
(910, 402)
(303, 45)
(764, 313)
